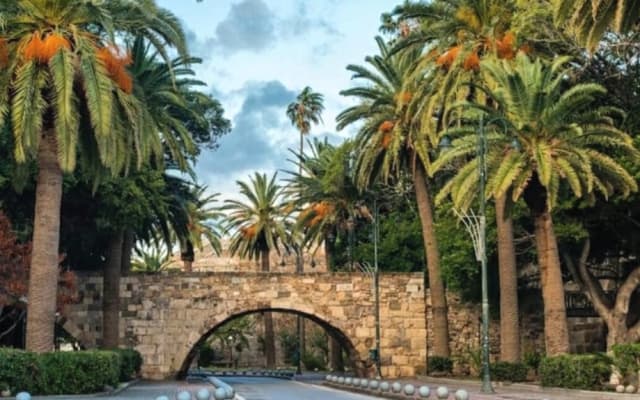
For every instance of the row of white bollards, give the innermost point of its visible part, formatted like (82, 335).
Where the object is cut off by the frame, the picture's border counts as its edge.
(220, 393)
(397, 388)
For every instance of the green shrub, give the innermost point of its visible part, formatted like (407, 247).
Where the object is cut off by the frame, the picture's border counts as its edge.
(313, 362)
(626, 358)
(59, 372)
(130, 364)
(439, 365)
(532, 360)
(19, 370)
(79, 371)
(588, 372)
(207, 355)
(508, 371)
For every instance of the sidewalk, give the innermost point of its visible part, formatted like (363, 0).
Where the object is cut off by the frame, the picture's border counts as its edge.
(518, 391)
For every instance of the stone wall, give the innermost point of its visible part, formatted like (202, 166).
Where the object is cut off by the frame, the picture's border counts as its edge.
(165, 316)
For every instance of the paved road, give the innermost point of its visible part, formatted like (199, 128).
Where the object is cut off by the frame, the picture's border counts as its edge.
(280, 389)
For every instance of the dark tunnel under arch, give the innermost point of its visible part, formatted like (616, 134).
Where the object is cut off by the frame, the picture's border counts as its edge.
(336, 333)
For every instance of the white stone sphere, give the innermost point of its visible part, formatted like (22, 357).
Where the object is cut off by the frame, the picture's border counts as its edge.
(384, 386)
(348, 380)
(356, 381)
(396, 387)
(442, 392)
(203, 394)
(183, 395)
(620, 388)
(163, 397)
(364, 383)
(374, 385)
(23, 396)
(341, 380)
(461, 394)
(630, 389)
(220, 394)
(409, 389)
(327, 378)
(424, 391)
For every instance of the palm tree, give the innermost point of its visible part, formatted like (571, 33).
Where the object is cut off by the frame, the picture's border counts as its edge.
(65, 87)
(203, 218)
(589, 20)
(458, 35)
(307, 109)
(563, 136)
(327, 193)
(391, 143)
(257, 227)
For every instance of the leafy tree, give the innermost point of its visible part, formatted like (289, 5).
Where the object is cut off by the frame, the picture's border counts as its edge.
(258, 226)
(563, 136)
(65, 87)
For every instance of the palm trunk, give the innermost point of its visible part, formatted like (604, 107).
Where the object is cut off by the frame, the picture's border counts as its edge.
(127, 249)
(436, 286)
(43, 275)
(335, 353)
(509, 323)
(328, 253)
(187, 256)
(269, 335)
(111, 293)
(556, 331)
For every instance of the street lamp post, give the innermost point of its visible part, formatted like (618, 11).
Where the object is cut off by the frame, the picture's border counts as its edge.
(482, 143)
(476, 225)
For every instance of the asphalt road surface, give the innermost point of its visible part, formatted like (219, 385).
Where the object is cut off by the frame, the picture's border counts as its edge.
(281, 389)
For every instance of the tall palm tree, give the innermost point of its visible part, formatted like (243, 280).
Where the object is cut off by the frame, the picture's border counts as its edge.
(391, 143)
(457, 35)
(305, 110)
(564, 136)
(589, 20)
(258, 226)
(66, 88)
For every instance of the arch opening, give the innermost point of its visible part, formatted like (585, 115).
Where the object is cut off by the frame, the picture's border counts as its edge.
(345, 343)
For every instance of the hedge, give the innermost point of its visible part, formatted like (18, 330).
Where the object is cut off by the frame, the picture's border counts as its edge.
(588, 372)
(130, 364)
(65, 372)
(437, 364)
(508, 371)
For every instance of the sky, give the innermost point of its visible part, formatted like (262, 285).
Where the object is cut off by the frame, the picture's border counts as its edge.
(257, 56)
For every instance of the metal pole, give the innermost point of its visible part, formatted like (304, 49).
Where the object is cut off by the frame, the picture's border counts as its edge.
(376, 285)
(486, 377)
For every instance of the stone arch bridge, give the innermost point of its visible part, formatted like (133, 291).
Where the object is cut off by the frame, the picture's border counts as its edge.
(166, 316)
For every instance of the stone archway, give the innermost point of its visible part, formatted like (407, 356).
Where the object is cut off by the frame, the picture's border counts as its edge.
(352, 354)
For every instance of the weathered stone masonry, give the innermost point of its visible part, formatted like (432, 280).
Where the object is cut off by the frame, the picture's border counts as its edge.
(164, 316)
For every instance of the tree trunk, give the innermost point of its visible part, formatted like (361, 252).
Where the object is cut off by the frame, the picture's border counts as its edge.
(436, 286)
(127, 249)
(187, 256)
(556, 331)
(269, 335)
(336, 362)
(43, 275)
(509, 322)
(111, 293)
(328, 253)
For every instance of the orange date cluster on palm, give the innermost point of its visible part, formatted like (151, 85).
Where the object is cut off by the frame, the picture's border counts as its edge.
(249, 232)
(42, 50)
(317, 211)
(116, 63)
(504, 47)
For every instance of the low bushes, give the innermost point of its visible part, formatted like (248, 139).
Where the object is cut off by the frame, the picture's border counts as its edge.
(508, 371)
(626, 359)
(588, 372)
(130, 364)
(66, 372)
(439, 365)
